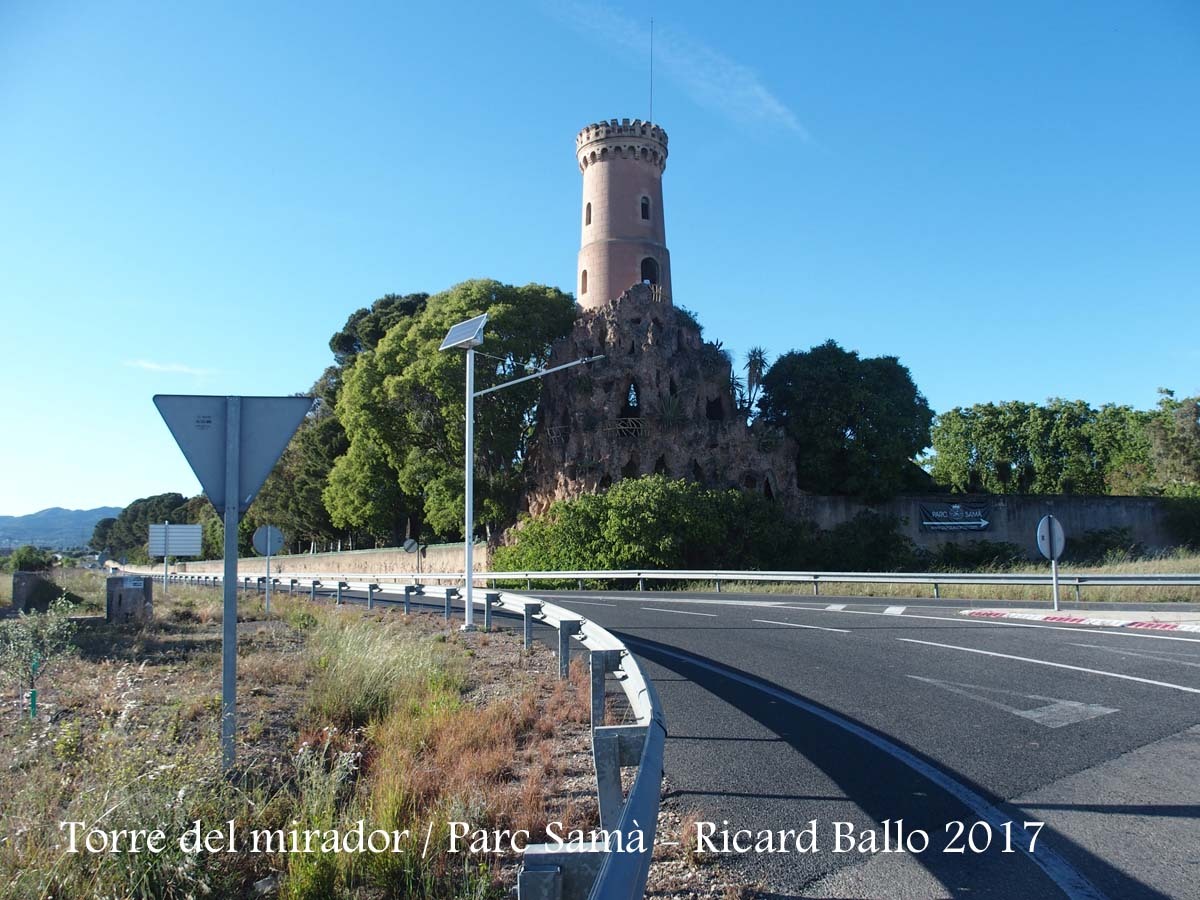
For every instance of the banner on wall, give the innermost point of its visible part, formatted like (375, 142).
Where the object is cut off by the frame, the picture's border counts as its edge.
(954, 516)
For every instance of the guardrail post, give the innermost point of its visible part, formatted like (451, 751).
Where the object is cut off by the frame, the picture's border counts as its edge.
(529, 584)
(312, 589)
(489, 598)
(816, 588)
(601, 662)
(246, 584)
(718, 585)
(341, 585)
(450, 592)
(1076, 590)
(371, 589)
(409, 590)
(580, 584)
(292, 585)
(641, 583)
(566, 628)
(530, 610)
(614, 747)
(936, 595)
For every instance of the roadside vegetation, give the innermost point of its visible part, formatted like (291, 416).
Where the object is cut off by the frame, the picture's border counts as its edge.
(344, 715)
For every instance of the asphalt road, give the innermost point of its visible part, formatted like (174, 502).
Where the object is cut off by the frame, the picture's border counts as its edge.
(784, 711)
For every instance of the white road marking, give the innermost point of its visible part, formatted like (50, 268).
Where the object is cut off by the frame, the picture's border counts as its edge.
(679, 612)
(795, 625)
(834, 607)
(1156, 655)
(1057, 665)
(1107, 632)
(587, 602)
(1074, 884)
(894, 611)
(1055, 714)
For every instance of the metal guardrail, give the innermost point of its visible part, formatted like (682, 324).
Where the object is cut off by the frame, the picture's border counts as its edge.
(934, 580)
(615, 864)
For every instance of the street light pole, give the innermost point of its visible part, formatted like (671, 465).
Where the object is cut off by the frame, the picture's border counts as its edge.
(467, 336)
(469, 515)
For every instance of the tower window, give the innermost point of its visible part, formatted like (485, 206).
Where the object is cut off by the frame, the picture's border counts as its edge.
(587, 215)
(583, 282)
(649, 270)
(646, 208)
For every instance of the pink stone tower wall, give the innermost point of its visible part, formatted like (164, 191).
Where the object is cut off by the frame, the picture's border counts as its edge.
(621, 162)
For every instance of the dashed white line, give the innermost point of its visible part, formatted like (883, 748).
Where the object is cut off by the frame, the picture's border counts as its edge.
(1156, 655)
(588, 602)
(834, 607)
(796, 625)
(1057, 665)
(679, 612)
(894, 611)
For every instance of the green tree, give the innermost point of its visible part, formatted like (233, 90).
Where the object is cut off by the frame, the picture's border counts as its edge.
(403, 401)
(1174, 431)
(31, 642)
(365, 328)
(857, 423)
(1061, 447)
(131, 532)
(100, 534)
(30, 559)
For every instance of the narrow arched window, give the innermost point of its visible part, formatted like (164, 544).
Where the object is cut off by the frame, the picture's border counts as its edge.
(587, 215)
(646, 208)
(583, 282)
(649, 270)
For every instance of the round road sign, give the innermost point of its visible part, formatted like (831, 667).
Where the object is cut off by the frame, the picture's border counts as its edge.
(268, 540)
(1050, 537)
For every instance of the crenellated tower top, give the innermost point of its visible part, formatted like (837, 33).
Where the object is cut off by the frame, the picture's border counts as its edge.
(621, 139)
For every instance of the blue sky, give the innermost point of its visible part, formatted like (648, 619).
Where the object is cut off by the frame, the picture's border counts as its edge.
(194, 196)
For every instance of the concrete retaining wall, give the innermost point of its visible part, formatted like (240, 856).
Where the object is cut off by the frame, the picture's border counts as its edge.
(1011, 518)
(387, 561)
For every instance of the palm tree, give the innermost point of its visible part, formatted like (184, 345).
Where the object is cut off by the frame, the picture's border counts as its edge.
(756, 365)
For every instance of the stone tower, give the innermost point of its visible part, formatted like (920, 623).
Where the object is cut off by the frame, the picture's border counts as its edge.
(624, 238)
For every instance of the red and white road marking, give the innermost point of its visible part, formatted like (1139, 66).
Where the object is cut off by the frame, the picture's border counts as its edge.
(1082, 620)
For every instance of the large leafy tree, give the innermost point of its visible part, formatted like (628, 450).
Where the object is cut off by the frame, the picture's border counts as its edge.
(403, 407)
(1060, 447)
(857, 423)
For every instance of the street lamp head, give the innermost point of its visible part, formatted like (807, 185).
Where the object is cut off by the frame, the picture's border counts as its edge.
(465, 335)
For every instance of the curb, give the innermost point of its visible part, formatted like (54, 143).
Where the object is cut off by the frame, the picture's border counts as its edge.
(1081, 620)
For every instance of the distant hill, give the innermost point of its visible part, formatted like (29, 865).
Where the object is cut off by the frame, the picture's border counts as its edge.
(55, 527)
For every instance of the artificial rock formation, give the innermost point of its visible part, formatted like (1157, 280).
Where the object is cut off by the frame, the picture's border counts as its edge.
(659, 402)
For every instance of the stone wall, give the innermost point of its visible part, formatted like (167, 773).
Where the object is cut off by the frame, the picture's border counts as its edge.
(386, 561)
(1010, 518)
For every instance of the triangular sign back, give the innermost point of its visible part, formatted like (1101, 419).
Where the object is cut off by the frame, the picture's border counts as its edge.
(197, 423)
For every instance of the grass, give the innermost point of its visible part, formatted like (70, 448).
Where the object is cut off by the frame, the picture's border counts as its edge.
(343, 716)
(1180, 563)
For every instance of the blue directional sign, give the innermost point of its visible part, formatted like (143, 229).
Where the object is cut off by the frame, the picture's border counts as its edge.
(266, 425)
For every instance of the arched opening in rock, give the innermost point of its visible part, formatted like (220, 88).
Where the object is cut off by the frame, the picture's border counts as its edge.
(660, 467)
(714, 410)
(631, 468)
(633, 407)
(697, 472)
(767, 492)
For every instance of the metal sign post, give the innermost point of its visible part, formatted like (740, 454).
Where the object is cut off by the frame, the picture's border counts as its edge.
(268, 540)
(166, 551)
(233, 446)
(231, 443)
(1051, 541)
